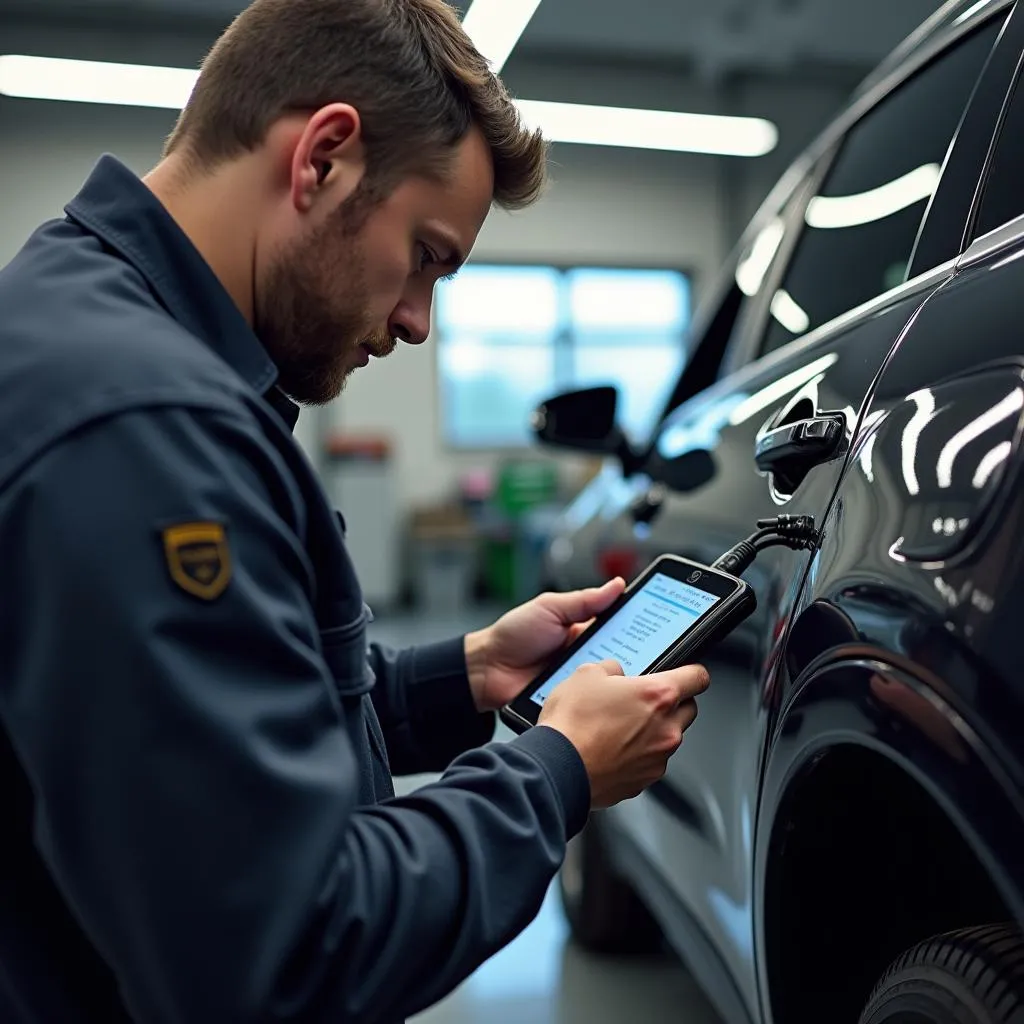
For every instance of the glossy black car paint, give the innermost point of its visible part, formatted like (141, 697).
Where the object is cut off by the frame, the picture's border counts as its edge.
(886, 671)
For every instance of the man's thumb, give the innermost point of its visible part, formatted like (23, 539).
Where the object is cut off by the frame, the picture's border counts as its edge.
(582, 605)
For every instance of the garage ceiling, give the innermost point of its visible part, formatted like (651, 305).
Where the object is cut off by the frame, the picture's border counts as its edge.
(717, 38)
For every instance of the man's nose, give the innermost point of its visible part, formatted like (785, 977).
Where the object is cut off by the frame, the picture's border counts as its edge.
(410, 323)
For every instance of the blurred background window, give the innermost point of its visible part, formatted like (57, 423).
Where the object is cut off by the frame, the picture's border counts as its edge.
(511, 336)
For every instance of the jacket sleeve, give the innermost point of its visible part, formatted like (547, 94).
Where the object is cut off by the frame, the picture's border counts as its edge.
(194, 782)
(426, 707)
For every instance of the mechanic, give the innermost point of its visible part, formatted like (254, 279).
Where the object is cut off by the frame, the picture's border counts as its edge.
(197, 744)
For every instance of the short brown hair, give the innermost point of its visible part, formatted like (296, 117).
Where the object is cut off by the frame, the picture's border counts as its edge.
(407, 66)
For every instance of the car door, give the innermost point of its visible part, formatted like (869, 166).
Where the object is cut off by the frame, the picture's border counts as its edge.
(924, 559)
(904, 638)
(833, 313)
(935, 483)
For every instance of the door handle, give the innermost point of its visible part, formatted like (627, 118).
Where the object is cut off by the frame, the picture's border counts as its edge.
(801, 444)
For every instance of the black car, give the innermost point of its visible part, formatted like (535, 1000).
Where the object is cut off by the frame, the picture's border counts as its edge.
(841, 835)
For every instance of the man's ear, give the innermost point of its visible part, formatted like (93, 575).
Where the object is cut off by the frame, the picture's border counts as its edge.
(329, 159)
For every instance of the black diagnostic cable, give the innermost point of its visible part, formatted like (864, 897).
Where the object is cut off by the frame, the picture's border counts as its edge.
(794, 532)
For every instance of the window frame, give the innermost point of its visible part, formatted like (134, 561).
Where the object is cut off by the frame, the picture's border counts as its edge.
(952, 218)
(975, 234)
(562, 266)
(1011, 49)
(938, 25)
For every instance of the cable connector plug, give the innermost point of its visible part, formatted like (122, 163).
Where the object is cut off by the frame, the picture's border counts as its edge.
(797, 532)
(736, 560)
(794, 532)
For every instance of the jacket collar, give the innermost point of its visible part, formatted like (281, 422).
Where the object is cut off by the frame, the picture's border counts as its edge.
(121, 210)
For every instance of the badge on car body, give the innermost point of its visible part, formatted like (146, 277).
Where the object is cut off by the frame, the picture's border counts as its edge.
(198, 558)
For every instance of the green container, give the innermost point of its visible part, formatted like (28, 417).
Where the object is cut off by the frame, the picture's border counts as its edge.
(500, 569)
(523, 485)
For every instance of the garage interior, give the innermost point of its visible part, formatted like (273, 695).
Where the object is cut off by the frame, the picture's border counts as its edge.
(449, 511)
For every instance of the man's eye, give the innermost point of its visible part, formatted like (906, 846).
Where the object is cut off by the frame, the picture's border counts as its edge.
(426, 257)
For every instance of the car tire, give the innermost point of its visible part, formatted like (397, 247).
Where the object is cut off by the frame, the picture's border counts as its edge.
(604, 912)
(975, 976)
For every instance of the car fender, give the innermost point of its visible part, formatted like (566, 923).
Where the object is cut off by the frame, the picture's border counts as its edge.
(861, 696)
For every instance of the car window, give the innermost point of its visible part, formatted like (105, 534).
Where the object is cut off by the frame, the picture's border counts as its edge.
(724, 326)
(861, 227)
(705, 359)
(1003, 199)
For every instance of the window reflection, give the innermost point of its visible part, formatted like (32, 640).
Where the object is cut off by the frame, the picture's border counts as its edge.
(786, 310)
(779, 389)
(990, 463)
(754, 266)
(925, 402)
(830, 212)
(1009, 406)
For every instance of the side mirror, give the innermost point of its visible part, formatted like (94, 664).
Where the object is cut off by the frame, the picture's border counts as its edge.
(687, 472)
(585, 422)
(581, 420)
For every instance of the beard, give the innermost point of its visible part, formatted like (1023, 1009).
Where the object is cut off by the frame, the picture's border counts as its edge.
(311, 314)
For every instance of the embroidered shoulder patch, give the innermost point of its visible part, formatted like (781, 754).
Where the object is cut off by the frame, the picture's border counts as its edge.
(198, 558)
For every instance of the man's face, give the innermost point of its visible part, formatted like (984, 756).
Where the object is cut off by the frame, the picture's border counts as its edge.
(352, 285)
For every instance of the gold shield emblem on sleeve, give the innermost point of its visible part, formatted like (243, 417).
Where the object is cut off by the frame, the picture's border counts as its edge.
(198, 558)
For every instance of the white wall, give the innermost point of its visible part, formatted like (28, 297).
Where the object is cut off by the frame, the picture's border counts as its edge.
(48, 149)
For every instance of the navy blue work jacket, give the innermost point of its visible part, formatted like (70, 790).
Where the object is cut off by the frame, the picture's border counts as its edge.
(198, 822)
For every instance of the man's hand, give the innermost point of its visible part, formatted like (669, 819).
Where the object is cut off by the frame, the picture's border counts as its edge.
(624, 729)
(503, 658)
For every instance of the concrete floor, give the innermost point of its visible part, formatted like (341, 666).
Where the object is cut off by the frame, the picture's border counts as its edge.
(543, 977)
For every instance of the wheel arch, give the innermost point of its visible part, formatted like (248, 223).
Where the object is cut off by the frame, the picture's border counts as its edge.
(873, 809)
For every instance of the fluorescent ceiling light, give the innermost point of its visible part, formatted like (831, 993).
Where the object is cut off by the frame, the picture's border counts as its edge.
(88, 81)
(496, 25)
(142, 85)
(879, 203)
(651, 129)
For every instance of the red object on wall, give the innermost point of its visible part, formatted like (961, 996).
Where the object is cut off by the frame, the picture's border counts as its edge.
(352, 446)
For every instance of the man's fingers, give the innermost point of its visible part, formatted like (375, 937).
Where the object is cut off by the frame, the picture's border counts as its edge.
(574, 631)
(687, 682)
(582, 605)
(686, 714)
(612, 668)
